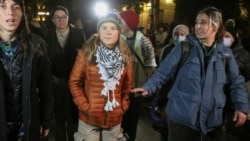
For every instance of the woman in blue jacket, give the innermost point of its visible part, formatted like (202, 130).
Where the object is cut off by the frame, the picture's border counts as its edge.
(196, 100)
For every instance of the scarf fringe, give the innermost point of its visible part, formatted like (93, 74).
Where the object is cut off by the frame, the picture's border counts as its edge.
(110, 105)
(110, 73)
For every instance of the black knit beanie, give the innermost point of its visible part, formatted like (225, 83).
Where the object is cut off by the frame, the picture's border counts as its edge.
(232, 31)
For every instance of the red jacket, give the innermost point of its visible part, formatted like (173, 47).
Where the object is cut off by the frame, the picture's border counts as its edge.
(86, 85)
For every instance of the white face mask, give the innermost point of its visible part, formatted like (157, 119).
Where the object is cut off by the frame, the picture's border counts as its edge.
(178, 39)
(227, 42)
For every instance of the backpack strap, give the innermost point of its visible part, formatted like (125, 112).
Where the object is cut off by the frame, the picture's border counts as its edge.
(185, 50)
(225, 60)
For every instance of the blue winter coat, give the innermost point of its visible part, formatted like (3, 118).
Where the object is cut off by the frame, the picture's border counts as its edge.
(197, 98)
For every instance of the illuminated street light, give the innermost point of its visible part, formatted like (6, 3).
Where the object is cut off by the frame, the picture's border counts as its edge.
(41, 13)
(101, 8)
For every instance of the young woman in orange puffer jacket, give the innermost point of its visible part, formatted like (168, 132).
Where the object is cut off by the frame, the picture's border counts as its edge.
(100, 83)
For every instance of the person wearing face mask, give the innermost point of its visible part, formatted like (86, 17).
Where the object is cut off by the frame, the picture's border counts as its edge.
(178, 39)
(179, 34)
(227, 41)
(242, 58)
(231, 37)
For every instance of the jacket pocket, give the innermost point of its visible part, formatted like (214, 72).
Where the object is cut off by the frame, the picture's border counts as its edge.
(189, 79)
(193, 68)
(215, 116)
(183, 108)
(220, 73)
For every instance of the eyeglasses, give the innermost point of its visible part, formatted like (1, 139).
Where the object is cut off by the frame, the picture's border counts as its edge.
(62, 17)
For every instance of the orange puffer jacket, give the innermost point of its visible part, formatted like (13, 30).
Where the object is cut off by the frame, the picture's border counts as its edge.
(86, 86)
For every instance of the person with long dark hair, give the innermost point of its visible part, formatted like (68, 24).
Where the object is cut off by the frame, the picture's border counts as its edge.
(26, 101)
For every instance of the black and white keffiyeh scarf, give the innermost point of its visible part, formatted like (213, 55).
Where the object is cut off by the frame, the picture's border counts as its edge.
(111, 65)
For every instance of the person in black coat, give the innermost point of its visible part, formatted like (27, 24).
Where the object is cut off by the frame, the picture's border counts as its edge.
(63, 41)
(242, 58)
(26, 100)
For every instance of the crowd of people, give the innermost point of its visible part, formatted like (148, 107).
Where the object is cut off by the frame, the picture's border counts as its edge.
(89, 87)
(198, 107)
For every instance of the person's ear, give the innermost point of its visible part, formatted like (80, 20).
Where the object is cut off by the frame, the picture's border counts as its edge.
(215, 28)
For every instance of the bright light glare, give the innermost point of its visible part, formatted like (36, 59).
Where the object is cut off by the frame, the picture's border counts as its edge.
(169, 1)
(101, 8)
(149, 4)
